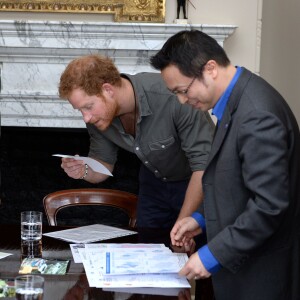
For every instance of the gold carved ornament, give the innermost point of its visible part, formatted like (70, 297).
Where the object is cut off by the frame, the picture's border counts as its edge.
(123, 10)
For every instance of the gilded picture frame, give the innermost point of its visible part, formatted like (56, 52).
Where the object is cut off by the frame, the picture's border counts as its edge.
(123, 10)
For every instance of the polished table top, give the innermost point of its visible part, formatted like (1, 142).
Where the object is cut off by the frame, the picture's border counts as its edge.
(74, 284)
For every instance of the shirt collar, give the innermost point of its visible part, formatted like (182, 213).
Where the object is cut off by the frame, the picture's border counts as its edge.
(219, 108)
(143, 105)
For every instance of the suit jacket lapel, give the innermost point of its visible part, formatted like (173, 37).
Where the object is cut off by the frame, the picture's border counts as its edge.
(231, 107)
(220, 134)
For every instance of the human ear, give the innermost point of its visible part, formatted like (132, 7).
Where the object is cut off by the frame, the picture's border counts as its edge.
(108, 89)
(211, 67)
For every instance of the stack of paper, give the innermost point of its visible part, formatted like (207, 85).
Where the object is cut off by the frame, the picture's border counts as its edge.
(89, 233)
(131, 265)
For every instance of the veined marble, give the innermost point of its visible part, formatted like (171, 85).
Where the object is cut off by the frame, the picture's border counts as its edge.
(33, 54)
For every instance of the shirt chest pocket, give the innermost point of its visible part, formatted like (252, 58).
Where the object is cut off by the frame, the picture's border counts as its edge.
(162, 144)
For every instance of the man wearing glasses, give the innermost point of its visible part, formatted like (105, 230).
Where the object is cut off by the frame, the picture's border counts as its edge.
(251, 205)
(139, 114)
(184, 91)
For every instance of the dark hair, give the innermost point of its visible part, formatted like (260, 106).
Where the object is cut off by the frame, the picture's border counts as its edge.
(189, 50)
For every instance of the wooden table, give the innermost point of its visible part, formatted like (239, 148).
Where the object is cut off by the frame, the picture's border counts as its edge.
(73, 285)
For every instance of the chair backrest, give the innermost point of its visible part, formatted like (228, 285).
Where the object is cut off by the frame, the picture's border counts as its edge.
(58, 200)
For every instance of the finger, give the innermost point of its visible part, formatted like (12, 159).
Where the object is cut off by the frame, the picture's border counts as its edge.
(73, 169)
(174, 232)
(179, 236)
(189, 246)
(175, 228)
(74, 165)
(67, 159)
(74, 162)
(190, 276)
(177, 243)
(75, 172)
(182, 273)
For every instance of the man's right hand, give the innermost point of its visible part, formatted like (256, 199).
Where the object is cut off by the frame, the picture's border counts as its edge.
(74, 168)
(184, 230)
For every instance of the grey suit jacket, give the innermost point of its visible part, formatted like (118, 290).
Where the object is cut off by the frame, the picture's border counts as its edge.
(252, 196)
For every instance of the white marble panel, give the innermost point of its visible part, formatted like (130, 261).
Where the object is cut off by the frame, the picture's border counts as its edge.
(33, 54)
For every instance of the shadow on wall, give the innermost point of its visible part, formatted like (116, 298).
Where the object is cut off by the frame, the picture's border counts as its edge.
(29, 171)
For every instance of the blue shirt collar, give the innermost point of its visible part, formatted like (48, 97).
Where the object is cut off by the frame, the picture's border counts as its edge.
(219, 108)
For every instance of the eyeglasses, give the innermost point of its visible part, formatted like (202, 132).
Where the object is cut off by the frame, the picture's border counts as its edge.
(185, 91)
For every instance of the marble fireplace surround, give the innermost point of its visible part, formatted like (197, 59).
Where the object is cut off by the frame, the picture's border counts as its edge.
(34, 53)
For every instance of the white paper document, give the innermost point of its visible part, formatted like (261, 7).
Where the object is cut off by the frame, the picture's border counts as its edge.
(3, 254)
(75, 252)
(114, 262)
(146, 291)
(89, 234)
(92, 163)
(124, 246)
(133, 267)
(141, 280)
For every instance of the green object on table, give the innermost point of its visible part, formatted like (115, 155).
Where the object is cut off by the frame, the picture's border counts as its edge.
(7, 288)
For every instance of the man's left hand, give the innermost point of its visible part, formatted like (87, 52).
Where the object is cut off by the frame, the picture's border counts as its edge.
(194, 268)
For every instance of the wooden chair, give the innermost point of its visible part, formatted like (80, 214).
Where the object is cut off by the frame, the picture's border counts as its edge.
(58, 200)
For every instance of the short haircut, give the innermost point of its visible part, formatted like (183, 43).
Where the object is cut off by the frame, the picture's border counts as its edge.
(189, 51)
(88, 73)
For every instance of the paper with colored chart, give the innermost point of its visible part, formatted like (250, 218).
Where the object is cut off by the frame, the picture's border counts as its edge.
(149, 267)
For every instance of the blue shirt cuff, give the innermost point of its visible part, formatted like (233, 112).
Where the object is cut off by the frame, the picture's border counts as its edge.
(209, 261)
(200, 220)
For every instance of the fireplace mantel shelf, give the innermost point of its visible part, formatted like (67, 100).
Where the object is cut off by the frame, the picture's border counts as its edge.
(33, 54)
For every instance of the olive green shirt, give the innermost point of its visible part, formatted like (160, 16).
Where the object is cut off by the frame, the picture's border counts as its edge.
(172, 140)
